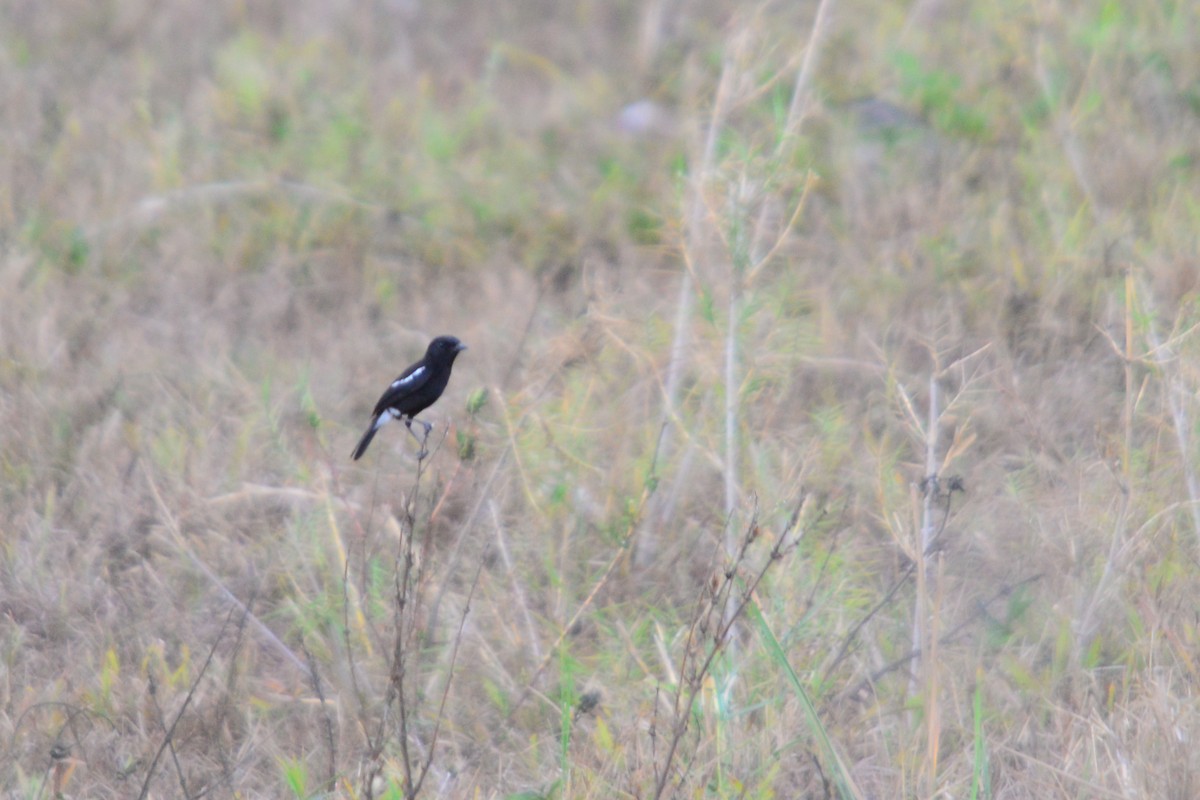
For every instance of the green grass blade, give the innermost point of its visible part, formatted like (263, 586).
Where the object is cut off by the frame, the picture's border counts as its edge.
(829, 754)
(980, 774)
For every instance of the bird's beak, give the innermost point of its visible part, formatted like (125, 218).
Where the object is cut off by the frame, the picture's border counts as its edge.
(460, 347)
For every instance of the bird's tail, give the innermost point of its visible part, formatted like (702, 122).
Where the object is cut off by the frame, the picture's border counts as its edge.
(366, 439)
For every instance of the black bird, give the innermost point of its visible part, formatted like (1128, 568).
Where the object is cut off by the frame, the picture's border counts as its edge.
(417, 388)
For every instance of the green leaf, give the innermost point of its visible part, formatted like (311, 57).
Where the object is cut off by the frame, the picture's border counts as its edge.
(477, 400)
(830, 756)
(466, 445)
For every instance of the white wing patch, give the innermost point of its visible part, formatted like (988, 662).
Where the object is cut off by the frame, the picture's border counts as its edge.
(418, 372)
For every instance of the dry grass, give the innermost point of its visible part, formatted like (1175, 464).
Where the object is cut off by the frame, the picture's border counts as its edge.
(831, 282)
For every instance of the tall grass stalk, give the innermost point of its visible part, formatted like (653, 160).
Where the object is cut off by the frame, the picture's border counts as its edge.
(694, 252)
(920, 638)
(1177, 396)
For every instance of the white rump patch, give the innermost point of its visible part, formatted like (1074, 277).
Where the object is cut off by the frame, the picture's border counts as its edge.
(387, 416)
(418, 372)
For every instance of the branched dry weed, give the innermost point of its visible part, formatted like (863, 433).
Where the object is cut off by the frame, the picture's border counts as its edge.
(404, 720)
(719, 608)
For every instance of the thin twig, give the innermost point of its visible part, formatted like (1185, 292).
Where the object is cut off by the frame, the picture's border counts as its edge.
(330, 739)
(981, 610)
(441, 712)
(518, 592)
(699, 640)
(804, 78)
(627, 541)
(162, 723)
(850, 637)
(170, 733)
(694, 218)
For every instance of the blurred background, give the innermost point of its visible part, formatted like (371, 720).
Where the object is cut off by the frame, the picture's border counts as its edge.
(827, 427)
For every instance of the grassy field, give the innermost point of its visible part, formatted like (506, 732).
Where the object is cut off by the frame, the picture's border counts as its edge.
(827, 429)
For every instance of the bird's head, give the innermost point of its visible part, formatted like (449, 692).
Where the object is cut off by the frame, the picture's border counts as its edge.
(444, 349)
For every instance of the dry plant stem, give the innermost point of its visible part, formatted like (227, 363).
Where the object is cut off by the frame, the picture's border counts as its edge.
(408, 576)
(1127, 359)
(1177, 395)
(162, 723)
(170, 732)
(707, 637)
(850, 637)
(1175, 391)
(351, 600)
(683, 308)
(468, 524)
(447, 491)
(1164, 357)
(742, 275)
(929, 487)
(1075, 157)
(732, 393)
(519, 350)
(1073, 151)
(1085, 624)
(1069, 141)
(518, 592)
(403, 610)
(441, 711)
(352, 609)
(981, 612)
(348, 644)
(628, 541)
(932, 717)
(804, 77)
(1084, 627)
(416, 757)
(330, 738)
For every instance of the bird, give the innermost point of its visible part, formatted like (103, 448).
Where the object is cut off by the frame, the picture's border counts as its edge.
(417, 388)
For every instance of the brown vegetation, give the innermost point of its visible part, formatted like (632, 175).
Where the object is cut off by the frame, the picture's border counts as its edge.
(828, 427)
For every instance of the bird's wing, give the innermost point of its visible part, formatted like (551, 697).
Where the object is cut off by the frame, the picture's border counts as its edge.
(409, 381)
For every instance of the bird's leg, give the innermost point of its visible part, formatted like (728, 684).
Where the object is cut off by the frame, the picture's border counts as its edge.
(421, 439)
